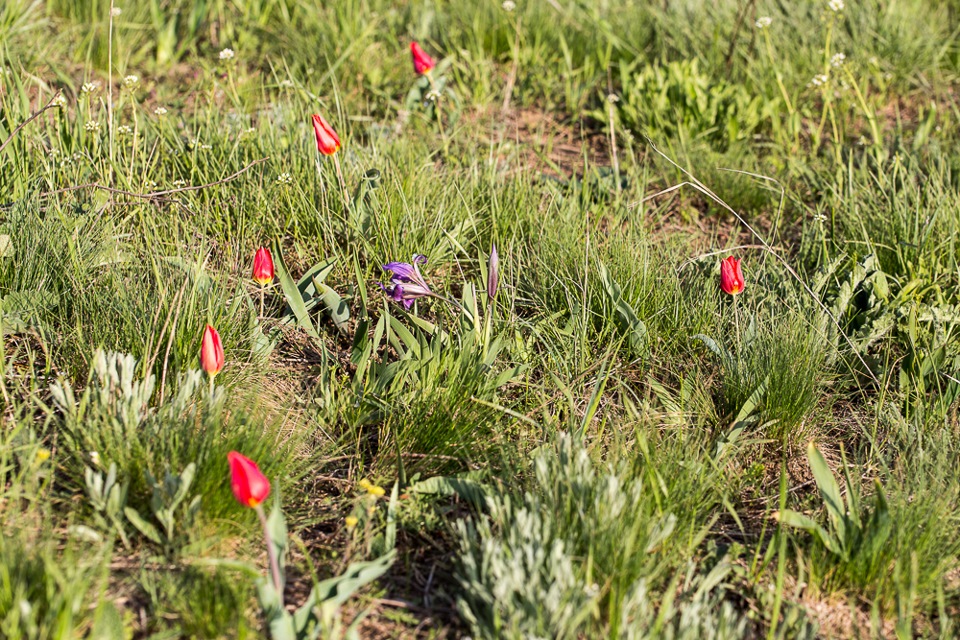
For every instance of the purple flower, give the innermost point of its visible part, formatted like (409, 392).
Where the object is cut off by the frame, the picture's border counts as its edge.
(406, 282)
(493, 274)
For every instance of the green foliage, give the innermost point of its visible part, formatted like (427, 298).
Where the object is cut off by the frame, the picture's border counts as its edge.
(585, 550)
(168, 497)
(853, 536)
(113, 421)
(128, 219)
(44, 595)
(319, 614)
(677, 101)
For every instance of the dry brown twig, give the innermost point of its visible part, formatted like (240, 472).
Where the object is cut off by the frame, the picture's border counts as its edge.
(50, 105)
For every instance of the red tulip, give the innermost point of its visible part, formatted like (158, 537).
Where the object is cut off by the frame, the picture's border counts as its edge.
(211, 352)
(422, 63)
(249, 484)
(263, 266)
(731, 277)
(328, 143)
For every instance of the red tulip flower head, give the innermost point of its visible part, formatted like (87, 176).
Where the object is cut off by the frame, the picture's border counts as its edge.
(422, 63)
(249, 485)
(263, 267)
(328, 143)
(211, 352)
(731, 277)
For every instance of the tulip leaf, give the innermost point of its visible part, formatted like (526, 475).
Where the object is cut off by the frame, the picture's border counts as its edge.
(292, 293)
(829, 489)
(336, 306)
(147, 529)
(464, 487)
(333, 592)
(390, 537)
(307, 284)
(277, 526)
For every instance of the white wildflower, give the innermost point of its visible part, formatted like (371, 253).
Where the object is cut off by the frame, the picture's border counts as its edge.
(59, 101)
(131, 82)
(835, 5)
(94, 457)
(124, 130)
(116, 11)
(179, 183)
(89, 87)
(160, 111)
(226, 54)
(838, 59)
(818, 80)
(92, 125)
(284, 178)
(508, 5)
(286, 84)
(764, 22)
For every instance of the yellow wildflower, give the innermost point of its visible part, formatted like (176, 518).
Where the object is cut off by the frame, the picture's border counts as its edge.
(351, 521)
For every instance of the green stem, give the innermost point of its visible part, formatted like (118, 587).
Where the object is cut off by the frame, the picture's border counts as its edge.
(262, 289)
(271, 554)
(343, 185)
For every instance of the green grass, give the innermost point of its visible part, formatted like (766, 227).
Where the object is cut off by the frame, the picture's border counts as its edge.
(600, 451)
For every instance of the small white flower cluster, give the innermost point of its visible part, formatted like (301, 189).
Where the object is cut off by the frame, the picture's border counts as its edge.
(89, 87)
(284, 178)
(837, 60)
(287, 83)
(60, 101)
(116, 11)
(67, 160)
(835, 5)
(124, 130)
(92, 125)
(160, 111)
(818, 80)
(227, 54)
(94, 456)
(179, 183)
(508, 5)
(764, 22)
(131, 82)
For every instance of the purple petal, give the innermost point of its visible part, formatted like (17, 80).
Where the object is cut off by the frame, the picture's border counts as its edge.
(402, 271)
(419, 258)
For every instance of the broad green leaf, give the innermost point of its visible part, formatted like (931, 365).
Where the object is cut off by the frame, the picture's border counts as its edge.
(829, 490)
(466, 488)
(147, 529)
(292, 293)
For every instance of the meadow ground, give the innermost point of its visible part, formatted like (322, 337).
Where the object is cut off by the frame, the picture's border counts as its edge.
(597, 434)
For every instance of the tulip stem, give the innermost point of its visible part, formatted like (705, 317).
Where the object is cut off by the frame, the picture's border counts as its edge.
(439, 110)
(343, 185)
(262, 289)
(211, 387)
(271, 554)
